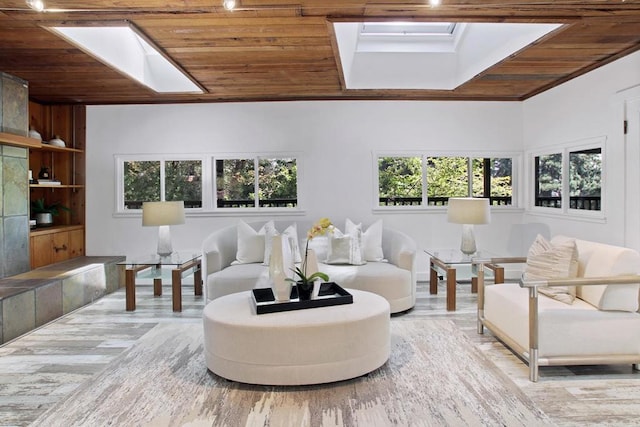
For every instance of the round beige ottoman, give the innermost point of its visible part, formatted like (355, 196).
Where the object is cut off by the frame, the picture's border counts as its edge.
(311, 346)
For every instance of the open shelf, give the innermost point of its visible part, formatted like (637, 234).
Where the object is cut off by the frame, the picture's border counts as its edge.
(19, 141)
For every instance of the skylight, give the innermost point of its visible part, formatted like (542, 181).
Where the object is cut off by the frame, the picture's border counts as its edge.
(427, 55)
(124, 49)
(407, 28)
(409, 36)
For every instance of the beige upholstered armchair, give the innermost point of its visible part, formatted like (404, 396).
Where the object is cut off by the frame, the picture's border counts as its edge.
(589, 318)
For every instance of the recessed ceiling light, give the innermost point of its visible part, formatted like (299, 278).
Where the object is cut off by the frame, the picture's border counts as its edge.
(37, 5)
(229, 4)
(434, 3)
(128, 50)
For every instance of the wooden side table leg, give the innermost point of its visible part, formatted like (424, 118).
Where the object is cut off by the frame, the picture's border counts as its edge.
(474, 285)
(498, 275)
(176, 289)
(130, 289)
(451, 289)
(433, 279)
(157, 286)
(197, 279)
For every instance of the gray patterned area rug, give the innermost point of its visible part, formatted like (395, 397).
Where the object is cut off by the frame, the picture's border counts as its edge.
(434, 377)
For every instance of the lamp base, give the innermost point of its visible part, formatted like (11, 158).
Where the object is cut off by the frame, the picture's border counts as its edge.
(468, 243)
(164, 241)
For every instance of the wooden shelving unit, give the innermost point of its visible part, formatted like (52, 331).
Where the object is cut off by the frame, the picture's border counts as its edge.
(65, 239)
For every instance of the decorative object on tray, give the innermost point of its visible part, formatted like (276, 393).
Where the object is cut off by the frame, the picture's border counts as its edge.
(307, 275)
(281, 286)
(329, 294)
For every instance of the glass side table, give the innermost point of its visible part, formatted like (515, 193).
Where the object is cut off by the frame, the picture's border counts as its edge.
(448, 260)
(179, 263)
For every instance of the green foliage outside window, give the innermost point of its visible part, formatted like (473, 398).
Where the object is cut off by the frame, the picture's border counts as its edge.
(447, 177)
(277, 182)
(585, 173)
(549, 180)
(500, 171)
(399, 177)
(141, 183)
(235, 179)
(183, 181)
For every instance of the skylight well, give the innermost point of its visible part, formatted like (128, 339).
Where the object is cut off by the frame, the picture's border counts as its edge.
(427, 55)
(123, 48)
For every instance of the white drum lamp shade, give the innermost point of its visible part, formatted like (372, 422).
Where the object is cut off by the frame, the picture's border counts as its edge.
(163, 215)
(468, 211)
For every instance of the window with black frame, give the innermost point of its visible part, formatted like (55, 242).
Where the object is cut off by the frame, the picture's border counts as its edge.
(401, 180)
(256, 182)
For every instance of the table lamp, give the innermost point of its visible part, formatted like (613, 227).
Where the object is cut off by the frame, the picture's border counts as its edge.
(468, 211)
(163, 215)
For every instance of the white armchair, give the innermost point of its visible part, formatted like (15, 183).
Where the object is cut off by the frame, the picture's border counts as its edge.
(602, 325)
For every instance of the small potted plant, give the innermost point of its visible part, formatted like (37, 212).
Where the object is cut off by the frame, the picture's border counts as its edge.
(43, 213)
(304, 281)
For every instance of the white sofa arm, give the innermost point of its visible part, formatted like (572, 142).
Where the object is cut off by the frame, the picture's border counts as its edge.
(406, 259)
(219, 250)
(400, 250)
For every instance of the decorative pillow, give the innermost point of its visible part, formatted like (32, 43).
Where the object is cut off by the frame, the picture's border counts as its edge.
(371, 240)
(291, 236)
(546, 261)
(251, 243)
(320, 245)
(345, 248)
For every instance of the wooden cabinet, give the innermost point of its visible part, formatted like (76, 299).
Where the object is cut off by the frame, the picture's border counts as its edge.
(66, 166)
(56, 244)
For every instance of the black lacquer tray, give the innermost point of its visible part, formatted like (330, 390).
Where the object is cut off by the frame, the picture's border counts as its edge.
(330, 294)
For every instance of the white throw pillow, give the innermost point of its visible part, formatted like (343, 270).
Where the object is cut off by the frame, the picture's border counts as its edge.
(251, 243)
(546, 261)
(292, 234)
(345, 248)
(320, 245)
(371, 240)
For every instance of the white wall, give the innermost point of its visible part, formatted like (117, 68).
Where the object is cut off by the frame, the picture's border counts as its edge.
(336, 139)
(586, 107)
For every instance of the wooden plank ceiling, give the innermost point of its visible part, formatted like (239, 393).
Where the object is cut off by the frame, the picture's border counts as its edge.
(285, 49)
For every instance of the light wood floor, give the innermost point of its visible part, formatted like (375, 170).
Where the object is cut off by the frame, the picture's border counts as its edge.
(41, 368)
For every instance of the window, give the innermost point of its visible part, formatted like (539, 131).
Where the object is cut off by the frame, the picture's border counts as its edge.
(276, 185)
(570, 179)
(207, 182)
(493, 178)
(549, 180)
(585, 176)
(446, 177)
(143, 182)
(401, 180)
(183, 181)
